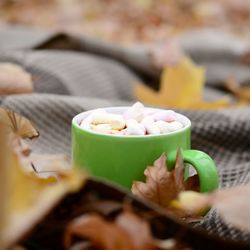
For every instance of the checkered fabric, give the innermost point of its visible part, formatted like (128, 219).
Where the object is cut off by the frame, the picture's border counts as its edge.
(68, 82)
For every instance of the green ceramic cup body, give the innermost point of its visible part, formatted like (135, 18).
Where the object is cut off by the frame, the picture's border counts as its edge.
(123, 159)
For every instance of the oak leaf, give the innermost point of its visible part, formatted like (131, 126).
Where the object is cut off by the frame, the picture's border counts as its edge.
(181, 86)
(163, 186)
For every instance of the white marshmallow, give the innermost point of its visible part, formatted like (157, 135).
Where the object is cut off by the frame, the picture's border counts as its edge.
(174, 126)
(135, 130)
(148, 120)
(115, 121)
(163, 126)
(152, 129)
(130, 122)
(85, 123)
(103, 128)
(135, 112)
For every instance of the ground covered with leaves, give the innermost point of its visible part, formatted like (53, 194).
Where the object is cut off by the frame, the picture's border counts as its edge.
(129, 21)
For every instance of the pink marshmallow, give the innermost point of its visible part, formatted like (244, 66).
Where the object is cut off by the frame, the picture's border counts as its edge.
(166, 116)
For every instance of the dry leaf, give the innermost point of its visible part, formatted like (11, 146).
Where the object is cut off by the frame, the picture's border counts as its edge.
(17, 124)
(243, 93)
(14, 80)
(27, 196)
(181, 86)
(163, 186)
(132, 224)
(4, 172)
(191, 204)
(120, 234)
(232, 204)
(30, 198)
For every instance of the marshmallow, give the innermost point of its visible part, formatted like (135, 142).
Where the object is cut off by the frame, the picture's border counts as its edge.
(137, 120)
(102, 128)
(152, 129)
(174, 126)
(148, 120)
(115, 121)
(134, 128)
(86, 123)
(166, 116)
(135, 112)
(130, 122)
(163, 126)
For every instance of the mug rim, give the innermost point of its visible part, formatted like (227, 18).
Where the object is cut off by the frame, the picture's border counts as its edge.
(76, 118)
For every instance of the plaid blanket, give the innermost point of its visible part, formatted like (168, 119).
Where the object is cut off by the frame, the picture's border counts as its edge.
(72, 75)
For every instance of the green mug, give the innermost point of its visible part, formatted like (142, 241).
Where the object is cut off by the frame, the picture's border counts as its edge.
(123, 159)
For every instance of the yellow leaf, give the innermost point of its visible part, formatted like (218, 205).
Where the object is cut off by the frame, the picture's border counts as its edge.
(181, 86)
(31, 197)
(17, 124)
(25, 196)
(4, 164)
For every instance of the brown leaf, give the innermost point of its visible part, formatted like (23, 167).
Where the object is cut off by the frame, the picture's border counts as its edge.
(245, 59)
(121, 234)
(178, 172)
(162, 186)
(17, 124)
(243, 93)
(132, 224)
(233, 206)
(101, 233)
(14, 80)
(159, 186)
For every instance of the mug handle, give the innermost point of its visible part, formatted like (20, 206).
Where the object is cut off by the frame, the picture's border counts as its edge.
(202, 163)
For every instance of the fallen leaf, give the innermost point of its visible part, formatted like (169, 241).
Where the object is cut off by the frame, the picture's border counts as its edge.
(181, 86)
(242, 92)
(14, 79)
(132, 224)
(27, 196)
(245, 59)
(232, 204)
(191, 204)
(163, 186)
(17, 124)
(106, 235)
(4, 174)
